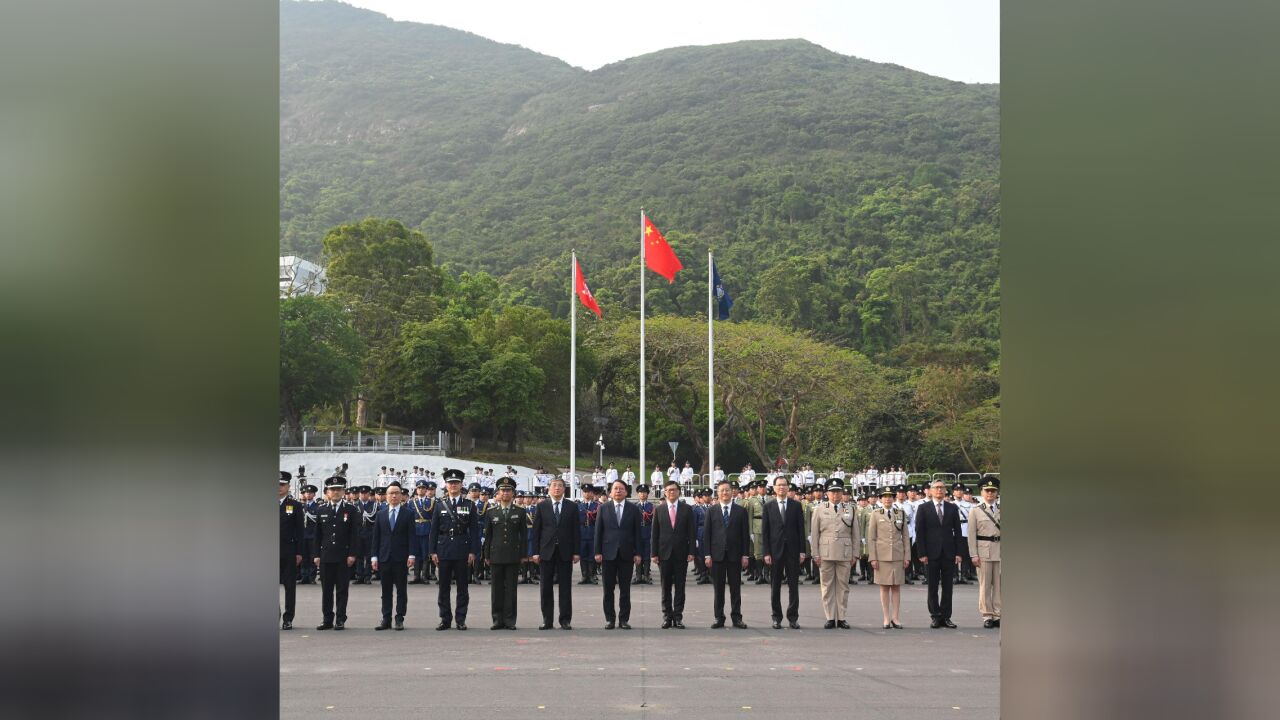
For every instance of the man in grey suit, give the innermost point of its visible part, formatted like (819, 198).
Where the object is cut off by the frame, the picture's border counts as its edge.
(617, 549)
(727, 542)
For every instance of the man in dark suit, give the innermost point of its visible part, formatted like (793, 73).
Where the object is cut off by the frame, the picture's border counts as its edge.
(727, 539)
(673, 539)
(617, 546)
(291, 529)
(453, 544)
(783, 539)
(392, 556)
(557, 535)
(939, 542)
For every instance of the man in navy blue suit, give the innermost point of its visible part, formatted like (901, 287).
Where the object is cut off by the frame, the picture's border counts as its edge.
(938, 542)
(392, 556)
(455, 540)
(617, 546)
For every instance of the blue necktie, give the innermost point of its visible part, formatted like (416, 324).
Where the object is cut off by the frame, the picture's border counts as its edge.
(726, 515)
(393, 518)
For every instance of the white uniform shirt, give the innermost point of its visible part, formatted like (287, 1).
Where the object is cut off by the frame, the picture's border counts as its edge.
(747, 476)
(717, 476)
(610, 475)
(656, 478)
(629, 477)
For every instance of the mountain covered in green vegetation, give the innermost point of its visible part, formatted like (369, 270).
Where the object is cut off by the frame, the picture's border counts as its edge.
(853, 202)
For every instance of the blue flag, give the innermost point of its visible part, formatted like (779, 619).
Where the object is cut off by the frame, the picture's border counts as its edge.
(723, 301)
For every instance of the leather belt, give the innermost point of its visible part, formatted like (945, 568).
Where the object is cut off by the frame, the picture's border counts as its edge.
(990, 538)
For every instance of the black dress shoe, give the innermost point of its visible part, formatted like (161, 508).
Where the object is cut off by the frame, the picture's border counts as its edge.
(666, 624)
(717, 624)
(399, 623)
(844, 625)
(444, 625)
(608, 625)
(511, 627)
(584, 582)
(545, 626)
(947, 622)
(777, 624)
(497, 626)
(677, 625)
(831, 625)
(325, 626)
(384, 625)
(997, 622)
(461, 625)
(937, 623)
(286, 625)
(794, 625)
(988, 623)
(624, 625)
(566, 626)
(888, 625)
(739, 624)
(339, 625)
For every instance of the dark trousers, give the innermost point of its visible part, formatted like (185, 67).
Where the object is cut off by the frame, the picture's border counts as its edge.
(307, 573)
(673, 572)
(588, 562)
(394, 575)
(364, 569)
(335, 577)
(289, 578)
(557, 573)
(788, 565)
(731, 572)
(502, 592)
(452, 571)
(617, 573)
(423, 560)
(940, 570)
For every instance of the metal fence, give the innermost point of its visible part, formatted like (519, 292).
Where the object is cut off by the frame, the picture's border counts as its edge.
(428, 443)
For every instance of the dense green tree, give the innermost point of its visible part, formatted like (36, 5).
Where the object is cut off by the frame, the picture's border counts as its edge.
(320, 357)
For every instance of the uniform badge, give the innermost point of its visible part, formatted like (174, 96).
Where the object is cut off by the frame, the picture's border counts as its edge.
(288, 509)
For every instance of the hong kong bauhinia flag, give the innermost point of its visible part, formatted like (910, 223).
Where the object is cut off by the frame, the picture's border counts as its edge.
(584, 292)
(658, 255)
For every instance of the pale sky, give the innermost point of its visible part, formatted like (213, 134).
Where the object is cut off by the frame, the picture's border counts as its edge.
(954, 39)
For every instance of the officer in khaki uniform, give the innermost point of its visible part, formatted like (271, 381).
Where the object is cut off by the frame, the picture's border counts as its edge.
(832, 539)
(888, 553)
(984, 551)
(754, 504)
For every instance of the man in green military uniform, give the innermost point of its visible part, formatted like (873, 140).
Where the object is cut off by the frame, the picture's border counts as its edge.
(505, 542)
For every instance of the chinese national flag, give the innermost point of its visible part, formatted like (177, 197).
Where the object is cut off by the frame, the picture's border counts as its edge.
(658, 255)
(584, 292)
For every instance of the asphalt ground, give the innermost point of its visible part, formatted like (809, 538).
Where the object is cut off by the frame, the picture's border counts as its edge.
(590, 672)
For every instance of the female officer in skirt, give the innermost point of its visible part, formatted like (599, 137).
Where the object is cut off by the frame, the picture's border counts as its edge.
(889, 551)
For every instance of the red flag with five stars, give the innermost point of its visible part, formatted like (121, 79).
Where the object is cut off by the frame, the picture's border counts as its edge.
(658, 255)
(584, 292)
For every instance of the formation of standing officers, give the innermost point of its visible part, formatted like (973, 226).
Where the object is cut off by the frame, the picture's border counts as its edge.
(767, 534)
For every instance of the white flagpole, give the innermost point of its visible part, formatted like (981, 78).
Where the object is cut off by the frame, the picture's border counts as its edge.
(573, 372)
(711, 368)
(643, 468)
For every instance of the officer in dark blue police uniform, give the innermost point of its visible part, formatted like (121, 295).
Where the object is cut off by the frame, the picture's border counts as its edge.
(291, 519)
(454, 544)
(644, 574)
(364, 535)
(337, 529)
(307, 573)
(420, 509)
(700, 521)
(588, 509)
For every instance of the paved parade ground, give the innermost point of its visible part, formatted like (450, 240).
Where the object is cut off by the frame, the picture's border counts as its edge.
(590, 672)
